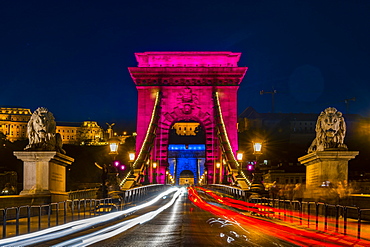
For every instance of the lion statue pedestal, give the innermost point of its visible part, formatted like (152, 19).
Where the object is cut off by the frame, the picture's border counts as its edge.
(327, 159)
(44, 161)
(324, 169)
(44, 172)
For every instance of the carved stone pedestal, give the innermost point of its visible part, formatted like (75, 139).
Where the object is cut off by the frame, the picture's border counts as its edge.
(44, 172)
(325, 169)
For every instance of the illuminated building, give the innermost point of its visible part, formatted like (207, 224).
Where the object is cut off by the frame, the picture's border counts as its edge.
(68, 132)
(13, 122)
(289, 135)
(185, 128)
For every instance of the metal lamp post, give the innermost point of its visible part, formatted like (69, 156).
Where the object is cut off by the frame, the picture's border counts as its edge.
(224, 170)
(107, 171)
(131, 158)
(218, 172)
(146, 173)
(257, 186)
(239, 157)
(154, 172)
(113, 146)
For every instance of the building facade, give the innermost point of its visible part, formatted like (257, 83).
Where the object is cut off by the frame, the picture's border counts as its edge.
(14, 120)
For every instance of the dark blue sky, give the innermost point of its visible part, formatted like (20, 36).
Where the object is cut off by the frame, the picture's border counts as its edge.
(72, 56)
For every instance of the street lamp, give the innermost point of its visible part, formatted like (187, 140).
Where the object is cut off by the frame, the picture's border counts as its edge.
(257, 186)
(239, 157)
(155, 172)
(218, 165)
(131, 158)
(113, 146)
(109, 173)
(224, 171)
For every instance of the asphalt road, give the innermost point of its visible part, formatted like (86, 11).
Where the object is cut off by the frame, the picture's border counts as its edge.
(182, 224)
(186, 225)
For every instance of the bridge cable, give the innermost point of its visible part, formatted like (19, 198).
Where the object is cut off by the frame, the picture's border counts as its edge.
(148, 142)
(225, 142)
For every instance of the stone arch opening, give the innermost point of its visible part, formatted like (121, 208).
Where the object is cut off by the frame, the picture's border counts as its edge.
(186, 149)
(186, 178)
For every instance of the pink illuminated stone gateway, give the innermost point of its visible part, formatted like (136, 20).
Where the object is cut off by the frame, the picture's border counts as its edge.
(188, 59)
(187, 82)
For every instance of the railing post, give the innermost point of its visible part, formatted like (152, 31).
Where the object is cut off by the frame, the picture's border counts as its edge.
(65, 212)
(308, 214)
(49, 214)
(28, 219)
(326, 217)
(40, 212)
(337, 217)
(57, 214)
(359, 223)
(79, 208)
(317, 215)
(345, 220)
(17, 211)
(5, 211)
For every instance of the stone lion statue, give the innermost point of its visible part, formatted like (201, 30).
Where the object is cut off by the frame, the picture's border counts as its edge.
(330, 131)
(41, 132)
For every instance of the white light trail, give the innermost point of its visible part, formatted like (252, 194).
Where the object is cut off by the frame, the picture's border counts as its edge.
(75, 226)
(118, 228)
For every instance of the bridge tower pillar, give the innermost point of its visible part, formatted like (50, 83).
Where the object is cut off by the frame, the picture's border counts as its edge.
(187, 83)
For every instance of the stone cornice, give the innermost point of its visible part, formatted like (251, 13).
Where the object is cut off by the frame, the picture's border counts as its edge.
(167, 76)
(327, 156)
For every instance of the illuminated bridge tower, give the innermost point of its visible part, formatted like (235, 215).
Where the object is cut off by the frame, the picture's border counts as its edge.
(187, 116)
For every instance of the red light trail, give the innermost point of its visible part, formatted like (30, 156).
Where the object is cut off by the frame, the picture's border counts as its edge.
(301, 237)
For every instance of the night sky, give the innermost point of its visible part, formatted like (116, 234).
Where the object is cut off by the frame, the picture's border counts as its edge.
(72, 56)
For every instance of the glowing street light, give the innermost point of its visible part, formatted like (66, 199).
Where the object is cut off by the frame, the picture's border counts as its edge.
(155, 172)
(131, 156)
(257, 185)
(113, 145)
(239, 156)
(257, 147)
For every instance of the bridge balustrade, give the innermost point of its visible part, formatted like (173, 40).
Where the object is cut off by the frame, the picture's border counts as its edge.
(235, 192)
(29, 218)
(320, 216)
